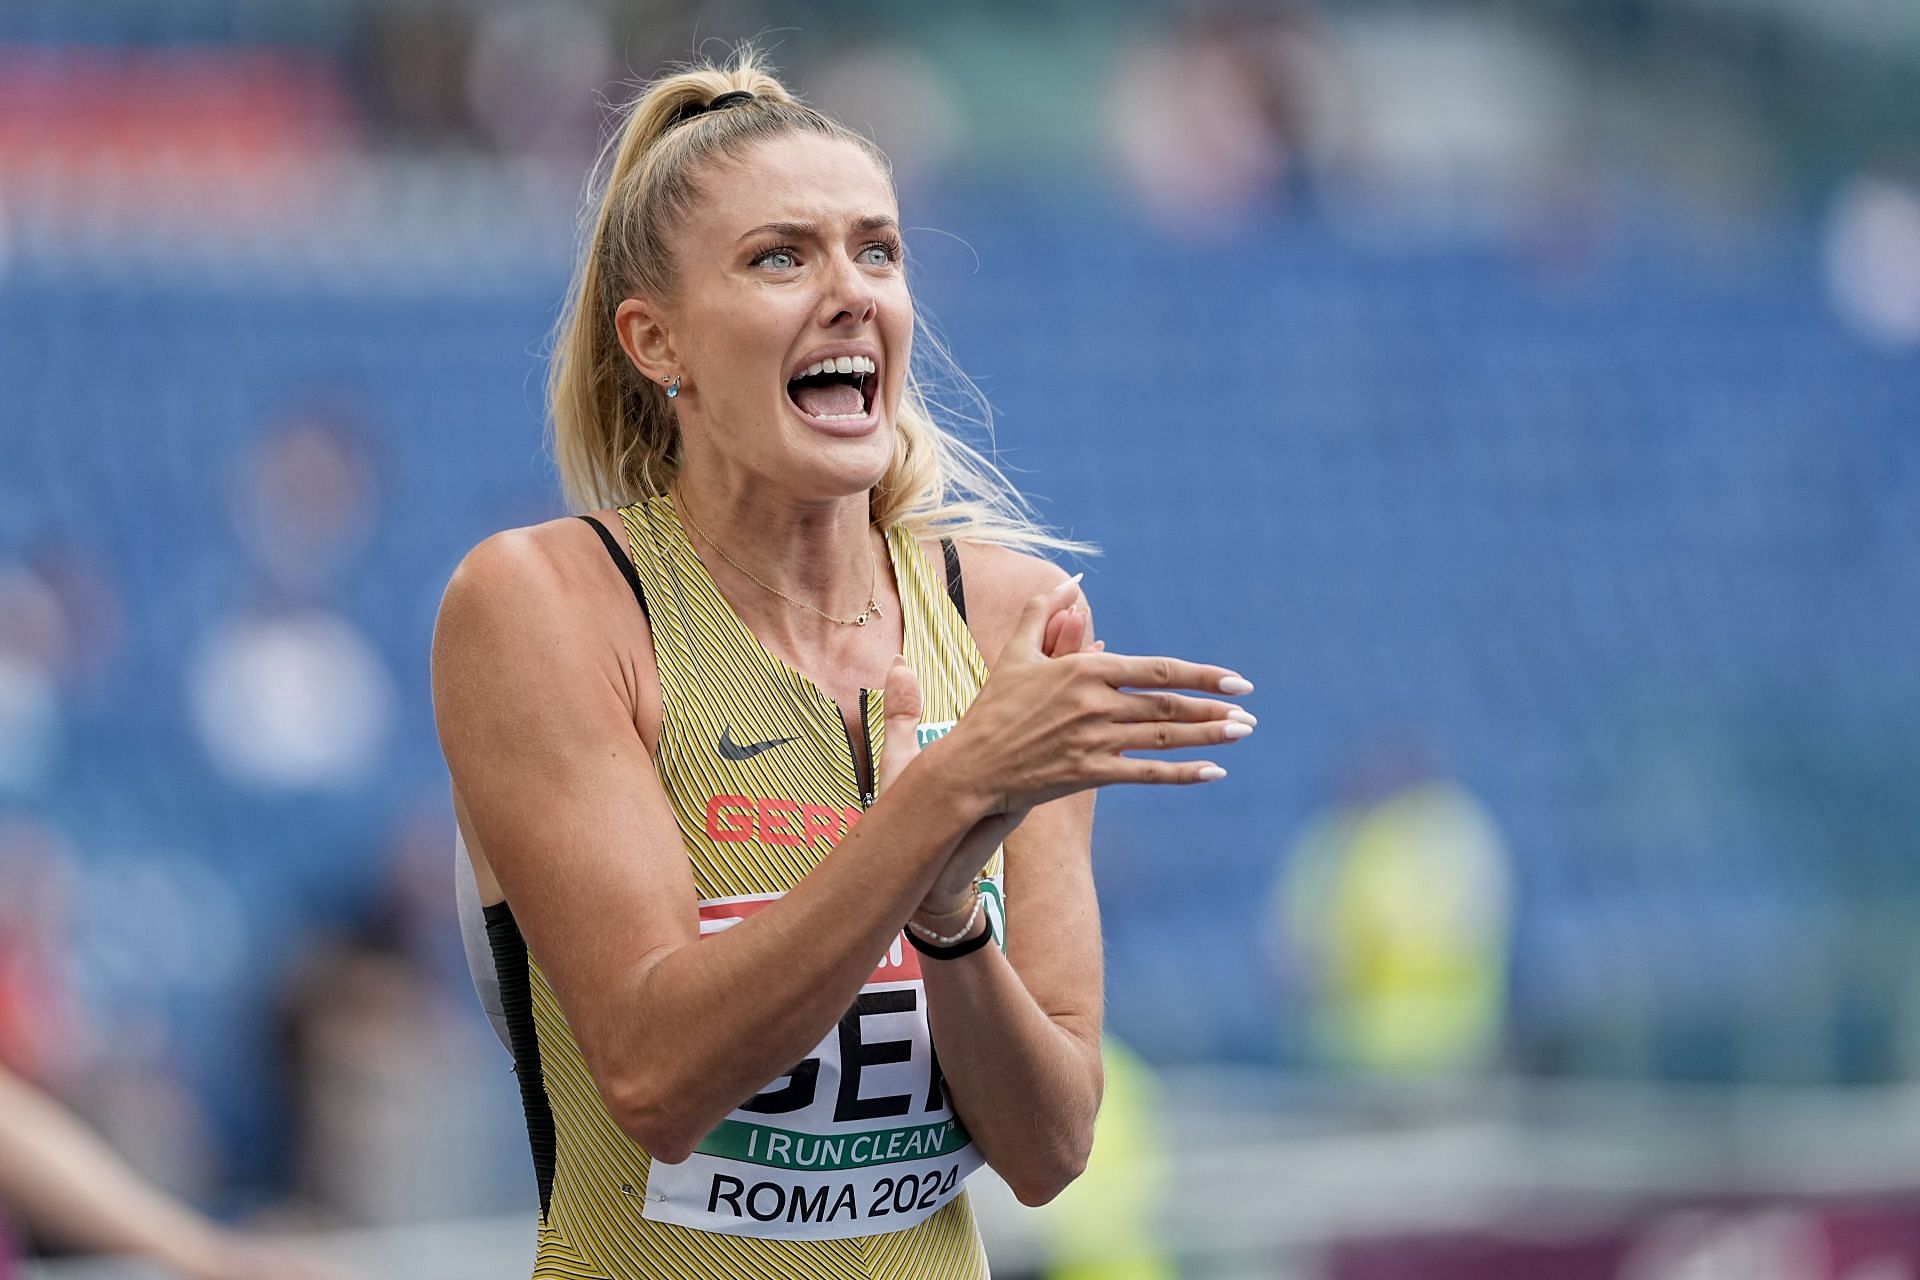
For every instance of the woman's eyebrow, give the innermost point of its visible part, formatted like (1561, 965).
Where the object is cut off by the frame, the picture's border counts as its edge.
(810, 230)
(792, 230)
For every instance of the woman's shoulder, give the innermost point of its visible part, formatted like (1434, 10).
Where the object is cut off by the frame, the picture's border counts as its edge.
(544, 578)
(998, 581)
(543, 602)
(555, 559)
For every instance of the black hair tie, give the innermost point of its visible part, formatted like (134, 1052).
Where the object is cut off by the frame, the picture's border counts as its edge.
(733, 97)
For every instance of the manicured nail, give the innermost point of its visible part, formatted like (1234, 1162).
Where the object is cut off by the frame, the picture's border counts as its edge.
(1234, 730)
(1075, 578)
(1235, 685)
(1242, 717)
(1210, 773)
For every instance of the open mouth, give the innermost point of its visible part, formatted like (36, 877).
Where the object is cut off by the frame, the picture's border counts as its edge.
(836, 390)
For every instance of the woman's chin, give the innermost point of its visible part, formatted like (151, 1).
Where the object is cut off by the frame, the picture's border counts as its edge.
(841, 465)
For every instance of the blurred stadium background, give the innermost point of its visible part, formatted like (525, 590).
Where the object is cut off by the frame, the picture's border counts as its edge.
(1526, 396)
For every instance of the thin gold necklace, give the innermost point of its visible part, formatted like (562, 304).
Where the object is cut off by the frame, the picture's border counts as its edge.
(858, 620)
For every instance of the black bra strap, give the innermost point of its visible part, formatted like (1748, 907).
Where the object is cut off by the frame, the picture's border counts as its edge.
(956, 590)
(626, 565)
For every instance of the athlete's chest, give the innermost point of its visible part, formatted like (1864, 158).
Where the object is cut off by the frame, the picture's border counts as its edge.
(848, 681)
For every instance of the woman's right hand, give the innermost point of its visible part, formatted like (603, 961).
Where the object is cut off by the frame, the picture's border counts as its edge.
(1068, 631)
(1044, 727)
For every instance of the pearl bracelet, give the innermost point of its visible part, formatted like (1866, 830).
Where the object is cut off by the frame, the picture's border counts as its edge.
(938, 940)
(965, 908)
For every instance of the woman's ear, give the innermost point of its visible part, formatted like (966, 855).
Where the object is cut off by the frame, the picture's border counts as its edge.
(643, 336)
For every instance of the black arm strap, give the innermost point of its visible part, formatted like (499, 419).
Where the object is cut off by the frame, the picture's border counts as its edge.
(626, 565)
(956, 590)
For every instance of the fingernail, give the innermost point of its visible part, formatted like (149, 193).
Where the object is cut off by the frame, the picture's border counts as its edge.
(1235, 684)
(1234, 730)
(1075, 578)
(1242, 717)
(1211, 773)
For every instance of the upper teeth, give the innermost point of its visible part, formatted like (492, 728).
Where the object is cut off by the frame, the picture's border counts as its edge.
(838, 364)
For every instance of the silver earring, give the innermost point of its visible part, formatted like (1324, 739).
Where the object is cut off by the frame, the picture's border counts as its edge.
(673, 387)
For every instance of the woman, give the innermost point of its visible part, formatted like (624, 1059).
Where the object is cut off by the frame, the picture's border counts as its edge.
(743, 911)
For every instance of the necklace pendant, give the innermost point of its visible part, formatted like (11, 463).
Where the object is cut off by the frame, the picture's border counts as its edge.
(861, 621)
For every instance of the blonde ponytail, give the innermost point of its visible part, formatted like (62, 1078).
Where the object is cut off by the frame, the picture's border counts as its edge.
(615, 437)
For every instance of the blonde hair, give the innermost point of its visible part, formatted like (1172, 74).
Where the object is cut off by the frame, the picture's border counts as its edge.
(616, 439)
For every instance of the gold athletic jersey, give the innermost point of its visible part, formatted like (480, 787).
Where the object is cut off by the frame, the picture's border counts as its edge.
(852, 1165)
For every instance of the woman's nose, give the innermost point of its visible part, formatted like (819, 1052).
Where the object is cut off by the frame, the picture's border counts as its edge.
(849, 294)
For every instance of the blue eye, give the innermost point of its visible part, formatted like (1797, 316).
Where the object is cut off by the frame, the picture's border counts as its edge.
(778, 259)
(880, 254)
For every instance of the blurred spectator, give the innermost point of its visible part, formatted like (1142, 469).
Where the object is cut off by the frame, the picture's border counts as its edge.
(1452, 115)
(424, 925)
(533, 80)
(293, 697)
(1873, 260)
(388, 1068)
(63, 1180)
(135, 1097)
(411, 61)
(362, 1037)
(294, 701)
(898, 97)
(80, 583)
(306, 498)
(60, 622)
(1214, 117)
(90, 955)
(34, 635)
(1393, 911)
(160, 935)
(1107, 1225)
(42, 1032)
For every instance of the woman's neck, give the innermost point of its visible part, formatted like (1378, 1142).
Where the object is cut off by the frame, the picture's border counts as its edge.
(773, 556)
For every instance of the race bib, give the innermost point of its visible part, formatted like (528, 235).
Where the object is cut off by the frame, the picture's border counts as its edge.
(858, 1139)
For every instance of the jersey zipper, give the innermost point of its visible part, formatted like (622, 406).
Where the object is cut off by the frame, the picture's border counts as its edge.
(863, 780)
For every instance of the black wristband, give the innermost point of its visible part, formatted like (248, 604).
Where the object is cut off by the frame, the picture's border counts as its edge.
(955, 951)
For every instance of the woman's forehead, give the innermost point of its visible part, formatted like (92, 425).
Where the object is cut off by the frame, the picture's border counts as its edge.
(796, 178)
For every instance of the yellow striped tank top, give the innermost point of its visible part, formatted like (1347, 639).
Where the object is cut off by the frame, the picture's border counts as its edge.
(853, 1164)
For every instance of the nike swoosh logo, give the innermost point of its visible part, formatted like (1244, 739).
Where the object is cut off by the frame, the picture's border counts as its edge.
(734, 751)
